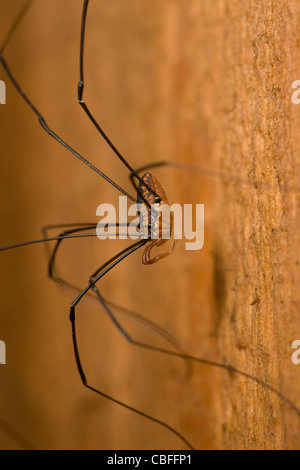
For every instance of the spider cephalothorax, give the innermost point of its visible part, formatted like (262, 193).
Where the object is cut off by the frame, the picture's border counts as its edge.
(156, 221)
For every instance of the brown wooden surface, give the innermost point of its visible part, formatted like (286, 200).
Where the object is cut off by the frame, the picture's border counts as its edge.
(199, 82)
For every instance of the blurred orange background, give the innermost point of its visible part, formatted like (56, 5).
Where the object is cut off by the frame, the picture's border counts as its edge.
(137, 84)
(167, 80)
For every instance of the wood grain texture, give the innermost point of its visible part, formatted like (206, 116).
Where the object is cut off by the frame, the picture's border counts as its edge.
(259, 245)
(202, 83)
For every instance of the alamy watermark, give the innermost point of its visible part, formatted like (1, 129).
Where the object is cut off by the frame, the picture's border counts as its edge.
(296, 354)
(2, 352)
(296, 94)
(2, 92)
(162, 222)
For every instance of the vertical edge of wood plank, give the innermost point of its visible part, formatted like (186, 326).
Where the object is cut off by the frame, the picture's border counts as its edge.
(257, 240)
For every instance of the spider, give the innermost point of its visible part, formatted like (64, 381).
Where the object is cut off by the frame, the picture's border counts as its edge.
(147, 190)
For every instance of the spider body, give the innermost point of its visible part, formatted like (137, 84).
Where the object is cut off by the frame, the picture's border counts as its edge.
(157, 229)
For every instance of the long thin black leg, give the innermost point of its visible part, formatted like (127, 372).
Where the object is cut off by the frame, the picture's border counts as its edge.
(87, 110)
(45, 230)
(206, 362)
(180, 166)
(185, 356)
(202, 171)
(41, 119)
(44, 240)
(102, 272)
(121, 328)
(18, 20)
(52, 252)
(105, 270)
(19, 438)
(149, 167)
(109, 265)
(62, 282)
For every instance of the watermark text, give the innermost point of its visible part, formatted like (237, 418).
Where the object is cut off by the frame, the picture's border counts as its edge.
(2, 92)
(296, 94)
(161, 222)
(2, 352)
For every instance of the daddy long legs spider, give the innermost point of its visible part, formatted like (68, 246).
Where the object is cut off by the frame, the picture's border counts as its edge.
(143, 381)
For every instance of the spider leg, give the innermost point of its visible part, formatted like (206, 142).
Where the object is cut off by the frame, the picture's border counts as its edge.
(64, 283)
(86, 109)
(16, 436)
(77, 229)
(92, 286)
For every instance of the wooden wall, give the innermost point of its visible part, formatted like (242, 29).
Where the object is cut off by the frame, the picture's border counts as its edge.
(201, 83)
